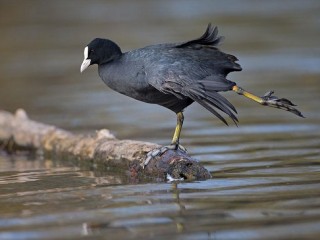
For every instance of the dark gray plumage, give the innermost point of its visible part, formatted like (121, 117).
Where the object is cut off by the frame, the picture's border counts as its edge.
(174, 76)
(171, 75)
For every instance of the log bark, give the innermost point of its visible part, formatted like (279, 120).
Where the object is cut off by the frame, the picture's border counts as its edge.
(18, 132)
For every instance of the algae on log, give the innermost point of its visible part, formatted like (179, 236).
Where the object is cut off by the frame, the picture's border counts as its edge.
(19, 132)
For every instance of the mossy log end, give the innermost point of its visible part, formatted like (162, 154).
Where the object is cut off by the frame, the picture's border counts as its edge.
(18, 132)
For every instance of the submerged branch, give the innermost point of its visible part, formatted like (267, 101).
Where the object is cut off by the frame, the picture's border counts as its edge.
(19, 132)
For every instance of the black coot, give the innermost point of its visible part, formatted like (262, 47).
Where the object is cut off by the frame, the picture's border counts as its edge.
(174, 75)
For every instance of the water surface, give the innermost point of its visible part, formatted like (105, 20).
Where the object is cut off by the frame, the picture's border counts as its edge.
(266, 172)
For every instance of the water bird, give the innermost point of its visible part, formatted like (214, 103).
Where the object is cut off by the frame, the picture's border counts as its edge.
(174, 75)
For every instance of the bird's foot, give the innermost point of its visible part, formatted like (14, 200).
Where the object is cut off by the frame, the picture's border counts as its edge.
(273, 101)
(159, 151)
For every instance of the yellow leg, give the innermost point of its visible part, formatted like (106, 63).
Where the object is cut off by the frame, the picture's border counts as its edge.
(174, 144)
(177, 131)
(241, 91)
(270, 100)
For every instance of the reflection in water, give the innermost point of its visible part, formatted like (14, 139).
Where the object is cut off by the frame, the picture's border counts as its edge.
(266, 171)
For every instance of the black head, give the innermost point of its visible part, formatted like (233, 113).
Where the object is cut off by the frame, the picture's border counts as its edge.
(100, 51)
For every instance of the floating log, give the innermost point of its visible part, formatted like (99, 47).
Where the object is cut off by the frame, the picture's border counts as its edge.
(18, 132)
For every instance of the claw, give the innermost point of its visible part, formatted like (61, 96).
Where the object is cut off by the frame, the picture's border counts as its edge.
(159, 151)
(282, 103)
(268, 94)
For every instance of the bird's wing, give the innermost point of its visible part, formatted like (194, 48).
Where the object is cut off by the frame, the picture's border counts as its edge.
(193, 79)
(204, 92)
(195, 69)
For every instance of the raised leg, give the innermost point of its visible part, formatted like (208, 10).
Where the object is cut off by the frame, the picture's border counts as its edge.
(269, 100)
(174, 143)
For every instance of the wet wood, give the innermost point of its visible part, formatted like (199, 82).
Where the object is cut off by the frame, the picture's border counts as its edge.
(18, 132)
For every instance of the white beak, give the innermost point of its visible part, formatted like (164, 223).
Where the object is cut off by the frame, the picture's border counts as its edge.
(85, 64)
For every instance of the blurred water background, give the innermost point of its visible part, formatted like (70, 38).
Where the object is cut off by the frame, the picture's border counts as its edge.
(266, 172)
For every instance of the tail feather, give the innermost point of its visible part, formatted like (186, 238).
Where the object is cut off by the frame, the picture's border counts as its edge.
(215, 83)
(214, 95)
(221, 107)
(226, 106)
(210, 108)
(210, 101)
(210, 38)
